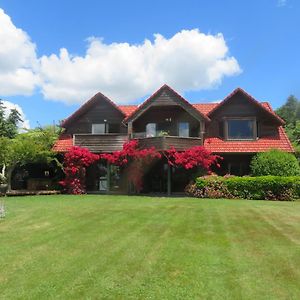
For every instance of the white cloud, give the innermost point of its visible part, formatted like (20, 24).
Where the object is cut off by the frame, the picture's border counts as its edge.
(190, 60)
(17, 59)
(8, 106)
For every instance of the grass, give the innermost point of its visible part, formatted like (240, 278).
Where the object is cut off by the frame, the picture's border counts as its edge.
(119, 247)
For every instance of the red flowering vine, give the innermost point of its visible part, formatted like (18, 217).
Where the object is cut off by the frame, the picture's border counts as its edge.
(135, 159)
(76, 160)
(193, 157)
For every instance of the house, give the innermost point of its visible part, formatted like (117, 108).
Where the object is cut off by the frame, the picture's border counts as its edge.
(236, 128)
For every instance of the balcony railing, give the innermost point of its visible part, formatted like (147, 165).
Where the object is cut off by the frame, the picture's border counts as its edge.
(98, 143)
(162, 143)
(101, 142)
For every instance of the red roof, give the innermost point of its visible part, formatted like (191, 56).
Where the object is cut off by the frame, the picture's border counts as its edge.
(281, 142)
(64, 143)
(214, 144)
(205, 108)
(127, 109)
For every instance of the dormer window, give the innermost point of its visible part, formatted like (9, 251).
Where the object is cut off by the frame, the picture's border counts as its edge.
(99, 128)
(240, 129)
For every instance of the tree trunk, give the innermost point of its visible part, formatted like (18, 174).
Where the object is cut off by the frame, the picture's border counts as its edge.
(9, 175)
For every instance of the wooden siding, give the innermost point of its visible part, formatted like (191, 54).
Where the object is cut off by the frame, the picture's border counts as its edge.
(165, 142)
(240, 107)
(100, 142)
(159, 115)
(167, 98)
(101, 111)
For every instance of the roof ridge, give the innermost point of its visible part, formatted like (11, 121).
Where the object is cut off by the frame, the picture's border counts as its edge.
(158, 91)
(239, 89)
(86, 104)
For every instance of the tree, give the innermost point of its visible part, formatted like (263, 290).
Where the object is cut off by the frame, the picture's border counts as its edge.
(290, 110)
(34, 146)
(9, 125)
(191, 158)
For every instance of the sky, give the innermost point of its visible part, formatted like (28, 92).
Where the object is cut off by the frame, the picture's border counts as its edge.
(55, 55)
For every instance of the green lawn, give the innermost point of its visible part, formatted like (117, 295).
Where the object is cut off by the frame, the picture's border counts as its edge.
(119, 247)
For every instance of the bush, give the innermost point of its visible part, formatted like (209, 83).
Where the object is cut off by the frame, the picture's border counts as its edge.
(262, 187)
(276, 163)
(265, 187)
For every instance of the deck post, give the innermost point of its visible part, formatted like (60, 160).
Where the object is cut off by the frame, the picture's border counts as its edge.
(108, 177)
(201, 131)
(130, 130)
(169, 181)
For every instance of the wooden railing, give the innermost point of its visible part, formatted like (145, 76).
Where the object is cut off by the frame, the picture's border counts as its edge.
(100, 142)
(165, 142)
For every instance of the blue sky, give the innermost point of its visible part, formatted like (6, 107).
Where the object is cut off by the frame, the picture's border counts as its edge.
(262, 41)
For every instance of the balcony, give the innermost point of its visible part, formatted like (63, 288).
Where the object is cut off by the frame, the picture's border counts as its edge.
(102, 143)
(162, 143)
(97, 143)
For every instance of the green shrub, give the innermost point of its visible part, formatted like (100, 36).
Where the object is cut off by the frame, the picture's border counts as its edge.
(262, 187)
(276, 163)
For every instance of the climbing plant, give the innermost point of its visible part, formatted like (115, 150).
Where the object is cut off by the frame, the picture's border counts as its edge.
(76, 160)
(134, 159)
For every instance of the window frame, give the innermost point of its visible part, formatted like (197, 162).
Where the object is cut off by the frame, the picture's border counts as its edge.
(178, 128)
(254, 130)
(105, 128)
(155, 130)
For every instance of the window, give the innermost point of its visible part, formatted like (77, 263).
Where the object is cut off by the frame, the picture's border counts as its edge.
(99, 128)
(184, 129)
(151, 130)
(241, 129)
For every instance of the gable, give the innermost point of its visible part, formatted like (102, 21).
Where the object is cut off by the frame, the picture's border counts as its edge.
(239, 104)
(99, 106)
(164, 97)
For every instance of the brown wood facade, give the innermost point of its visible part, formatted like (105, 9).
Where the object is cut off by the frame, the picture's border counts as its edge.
(240, 107)
(166, 142)
(101, 112)
(100, 143)
(169, 111)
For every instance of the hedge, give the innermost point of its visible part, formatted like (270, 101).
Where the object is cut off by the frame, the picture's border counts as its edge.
(276, 163)
(260, 188)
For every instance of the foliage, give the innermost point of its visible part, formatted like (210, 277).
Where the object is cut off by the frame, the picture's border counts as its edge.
(290, 112)
(9, 125)
(31, 147)
(134, 159)
(208, 187)
(274, 162)
(193, 157)
(76, 160)
(262, 187)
